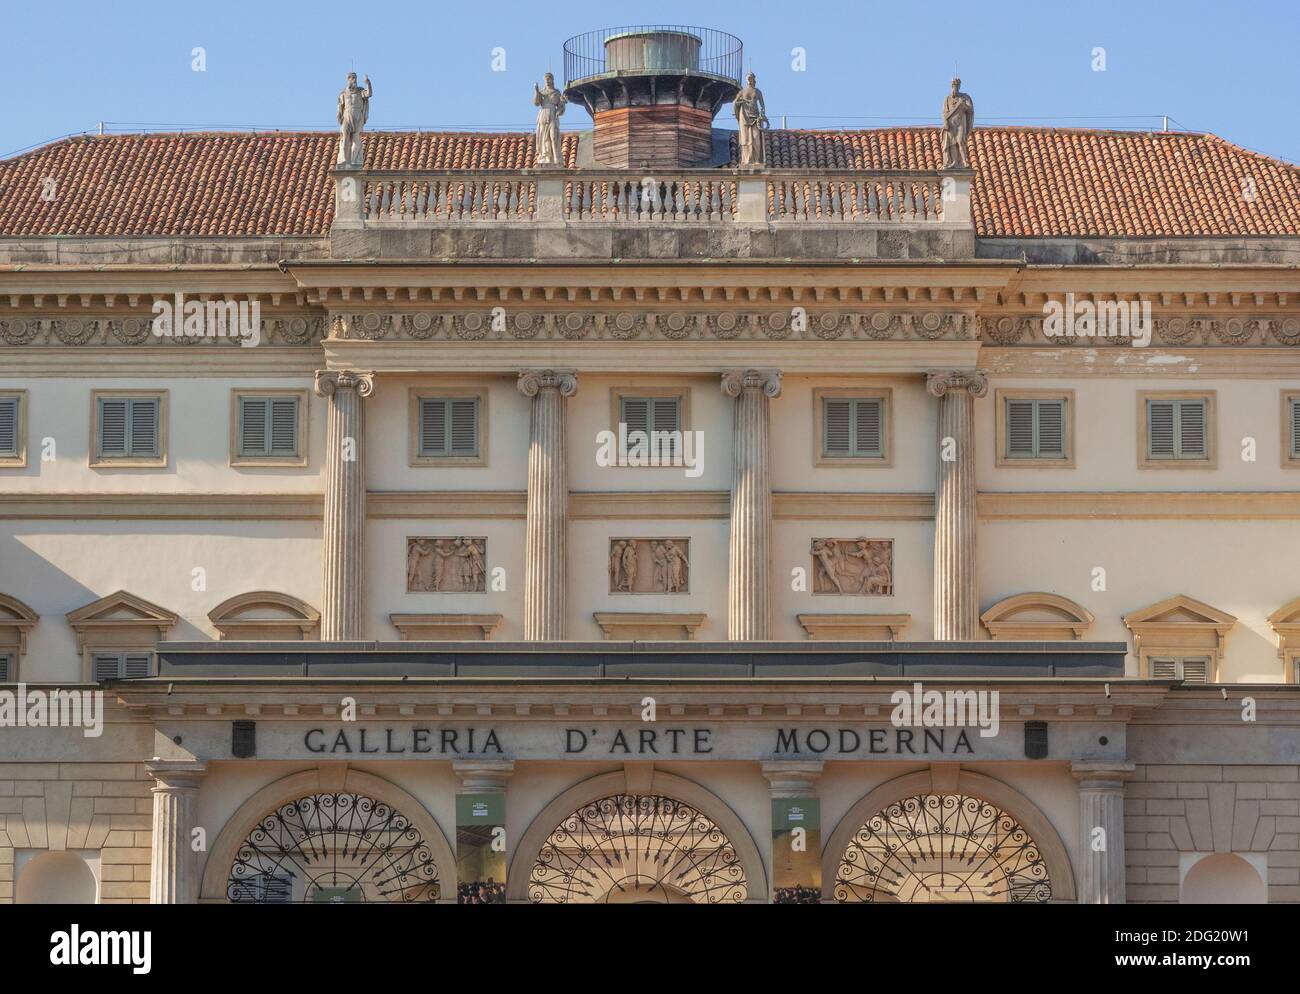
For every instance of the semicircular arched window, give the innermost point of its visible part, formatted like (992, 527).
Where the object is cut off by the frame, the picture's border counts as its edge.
(334, 848)
(637, 848)
(942, 848)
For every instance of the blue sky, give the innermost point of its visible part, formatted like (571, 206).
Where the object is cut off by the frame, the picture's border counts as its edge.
(1228, 68)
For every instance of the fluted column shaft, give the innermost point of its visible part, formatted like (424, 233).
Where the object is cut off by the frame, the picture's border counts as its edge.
(749, 611)
(1101, 830)
(345, 502)
(956, 597)
(548, 497)
(174, 874)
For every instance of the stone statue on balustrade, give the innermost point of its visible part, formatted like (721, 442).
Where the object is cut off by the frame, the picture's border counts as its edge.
(751, 122)
(550, 104)
(958, 124)
(353, 111)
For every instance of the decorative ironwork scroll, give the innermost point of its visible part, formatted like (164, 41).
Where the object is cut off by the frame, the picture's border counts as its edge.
(942, 848)
(333, 849)
(630, 848)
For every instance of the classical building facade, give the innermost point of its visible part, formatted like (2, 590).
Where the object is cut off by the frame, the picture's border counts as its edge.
(691, 515)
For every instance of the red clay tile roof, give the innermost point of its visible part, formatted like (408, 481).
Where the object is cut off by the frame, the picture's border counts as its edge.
(1029, 182)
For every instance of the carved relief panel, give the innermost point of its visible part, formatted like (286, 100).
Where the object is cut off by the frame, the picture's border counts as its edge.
(649, 565)
(446, 564)
(860, 567)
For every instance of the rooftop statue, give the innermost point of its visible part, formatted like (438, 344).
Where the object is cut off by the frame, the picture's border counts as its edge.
(550, 103)
(354, 108)
(751, 118)
(958, 123)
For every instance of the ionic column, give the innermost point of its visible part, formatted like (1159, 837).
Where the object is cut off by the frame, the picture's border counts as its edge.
(345, 502)
(548, 496)
(956, 600)
(1101, 830)
(749, 612)
(174, 870)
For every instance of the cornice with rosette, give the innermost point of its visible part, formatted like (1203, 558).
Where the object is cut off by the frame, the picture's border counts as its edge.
(939, 382)
(533, 381)
(736, 380)
(330, 381)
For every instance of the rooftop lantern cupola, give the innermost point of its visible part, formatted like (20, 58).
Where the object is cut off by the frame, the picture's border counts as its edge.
(652, 91)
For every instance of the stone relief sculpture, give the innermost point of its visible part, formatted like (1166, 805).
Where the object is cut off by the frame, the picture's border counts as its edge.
(668, 560)
(550, 103)
(859, 567)
(446, 565)
(353, 111)
(751, 120)
(958, 123)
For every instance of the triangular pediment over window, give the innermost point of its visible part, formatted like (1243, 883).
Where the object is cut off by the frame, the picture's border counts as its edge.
(121, 618)
(1180, 627)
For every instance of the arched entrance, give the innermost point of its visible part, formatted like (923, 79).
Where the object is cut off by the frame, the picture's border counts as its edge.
(56, 878)
(973, 840)
(334, 837)
(662, 840)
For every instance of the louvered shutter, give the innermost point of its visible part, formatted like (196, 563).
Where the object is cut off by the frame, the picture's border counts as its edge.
(464, 426)
(635, 413)
(252, 426)
(837, 427)
(1191, 429)
(868, 433)
(6, 669)
(284, 426)
(1164, 669)
(433, 427)
(1160, 429)
(665, 416)
(136, 665)
(105, 666)
(1295, 427)
(8, 426)
(1196, 671)
(1020, 428)
(1050, 429)
(143, 426)
(112, 426)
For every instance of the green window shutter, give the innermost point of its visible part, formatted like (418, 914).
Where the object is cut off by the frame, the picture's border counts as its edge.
(1049, 429)
(868, 427)
(283, 427)
(1161, 442)
(252, 426)
(6, 669)
(8, 426)
(1020, 429)
(105, 666)
(135, 665)
(143, 421)
(665, 416)
(837, 427)
(1295, 427)
(112, 426)
(449, 426)
(635, 413)
(464, 426)
(1191, 429)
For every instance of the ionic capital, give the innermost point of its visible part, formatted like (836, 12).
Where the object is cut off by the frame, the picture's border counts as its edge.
(767, 380)
(177, 775)
(532, 381)
(939, 381)
(330, 381)
(1104, 774)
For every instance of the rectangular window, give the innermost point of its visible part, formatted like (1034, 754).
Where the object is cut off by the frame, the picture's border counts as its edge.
(1291, 433)
(1177, 429)
(1035, 429)
(448, 426)
(651, 415)
(8, 671)
(11, 442)
(1190, 670)
(853, 427)
(128, 427)
(120, 665)
(268, 427)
